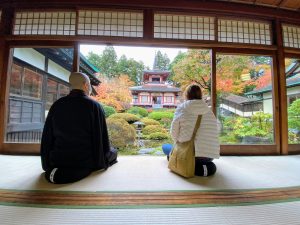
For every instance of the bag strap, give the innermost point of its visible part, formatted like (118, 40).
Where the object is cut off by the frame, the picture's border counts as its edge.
(196, 126)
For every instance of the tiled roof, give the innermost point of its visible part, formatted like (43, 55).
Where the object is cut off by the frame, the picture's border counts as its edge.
(156, 71)
(290, 82)
(155, 88)
(239, 99)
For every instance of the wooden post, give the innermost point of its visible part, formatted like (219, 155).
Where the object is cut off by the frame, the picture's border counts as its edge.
(4, 62)
(213, 86)
(280, 78)
(76, 57)
(148, 24)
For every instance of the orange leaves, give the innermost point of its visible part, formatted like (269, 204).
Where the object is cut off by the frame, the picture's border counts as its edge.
(115, 92)
(264, 80)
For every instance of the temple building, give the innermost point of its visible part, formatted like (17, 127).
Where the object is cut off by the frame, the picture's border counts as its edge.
(155, 91)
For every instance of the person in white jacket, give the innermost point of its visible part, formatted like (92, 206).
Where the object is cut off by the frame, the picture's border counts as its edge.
(207, 145)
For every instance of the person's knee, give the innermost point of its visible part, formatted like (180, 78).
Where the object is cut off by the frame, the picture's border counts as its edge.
(66, 175)
(205, 169)
(112, 156)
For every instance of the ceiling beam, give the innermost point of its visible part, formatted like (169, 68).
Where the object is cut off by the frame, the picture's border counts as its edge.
(281, 3)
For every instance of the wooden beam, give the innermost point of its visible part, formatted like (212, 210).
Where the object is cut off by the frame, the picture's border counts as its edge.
(59, 41)
(213, 65)
(4, 62)
(230, 8)
(20, 149)
(294, 149)
(249, 150)
(281, 3)
(76, 57)
(148, 24)
(280, 90)
(7, 21)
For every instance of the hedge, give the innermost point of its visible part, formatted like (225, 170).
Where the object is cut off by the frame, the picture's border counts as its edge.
(138, 111)
(148, 121)
(108, 110)
(158, 136)
(121, 134)
(130, 118)
(160, 115)
(150, 129)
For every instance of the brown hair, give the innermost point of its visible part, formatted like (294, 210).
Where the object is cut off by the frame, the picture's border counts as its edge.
(193, 91)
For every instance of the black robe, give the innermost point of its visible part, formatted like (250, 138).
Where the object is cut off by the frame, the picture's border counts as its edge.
(75, 134)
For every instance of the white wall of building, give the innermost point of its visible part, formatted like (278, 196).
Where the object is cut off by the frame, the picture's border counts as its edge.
(30, 56)
(58, 71)
(293, 90)
(268, 102)
(236, 111)
(36, 59)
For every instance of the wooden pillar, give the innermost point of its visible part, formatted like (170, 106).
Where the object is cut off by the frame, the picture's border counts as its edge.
(213, 86)
(148, 32)
(76, 57)
(280, 90)
(4, 61)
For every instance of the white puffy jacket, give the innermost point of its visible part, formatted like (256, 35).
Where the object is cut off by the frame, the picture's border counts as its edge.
(183, 124)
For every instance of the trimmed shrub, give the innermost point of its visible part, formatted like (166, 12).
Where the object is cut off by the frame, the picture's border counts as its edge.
(150, 129)
(138, 111)
(148, 121)
(121, 134)
(166, 122)
(160, 115)
(130, 118)
(108, 110)
(158, 136)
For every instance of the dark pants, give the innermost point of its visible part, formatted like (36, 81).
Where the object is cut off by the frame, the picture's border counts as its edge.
(70, 175)
(204, 167)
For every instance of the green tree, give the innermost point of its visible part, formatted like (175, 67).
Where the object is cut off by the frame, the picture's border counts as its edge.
(106, 62)
(294, 115)
(132, 68)
(180, 56)
(94, 59)
(161, 61)
(193, 67)
(261, 60)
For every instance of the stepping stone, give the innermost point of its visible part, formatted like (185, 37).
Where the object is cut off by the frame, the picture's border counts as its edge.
(146, 151)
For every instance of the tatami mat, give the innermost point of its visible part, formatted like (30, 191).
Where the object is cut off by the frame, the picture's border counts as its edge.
(275, 214)
(150, 173)
(141, 190)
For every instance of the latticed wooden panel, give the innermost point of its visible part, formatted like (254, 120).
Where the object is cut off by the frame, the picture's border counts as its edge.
(239, 31)
(111, 23)
(44, 23)
(291, 36)
(184, 27)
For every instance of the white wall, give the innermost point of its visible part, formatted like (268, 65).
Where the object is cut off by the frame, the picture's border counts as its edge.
(293, 90)
(268, 103)
(58, 71)
(30, 56)
(36, 59)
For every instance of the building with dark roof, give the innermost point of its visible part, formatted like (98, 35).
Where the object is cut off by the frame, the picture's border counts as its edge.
(292, 86)
(260, 99)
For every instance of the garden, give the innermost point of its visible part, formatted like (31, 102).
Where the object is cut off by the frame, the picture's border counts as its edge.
(237, 75)
(145, 137)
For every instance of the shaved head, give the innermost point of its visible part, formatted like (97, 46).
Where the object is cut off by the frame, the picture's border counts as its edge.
(78, 80)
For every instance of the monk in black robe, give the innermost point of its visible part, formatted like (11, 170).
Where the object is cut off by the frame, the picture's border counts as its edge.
(75, 139)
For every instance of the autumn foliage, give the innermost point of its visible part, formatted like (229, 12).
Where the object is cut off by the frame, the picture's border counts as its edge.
(115, 92)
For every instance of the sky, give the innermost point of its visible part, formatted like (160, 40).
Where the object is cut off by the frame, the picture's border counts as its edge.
(144, 54)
